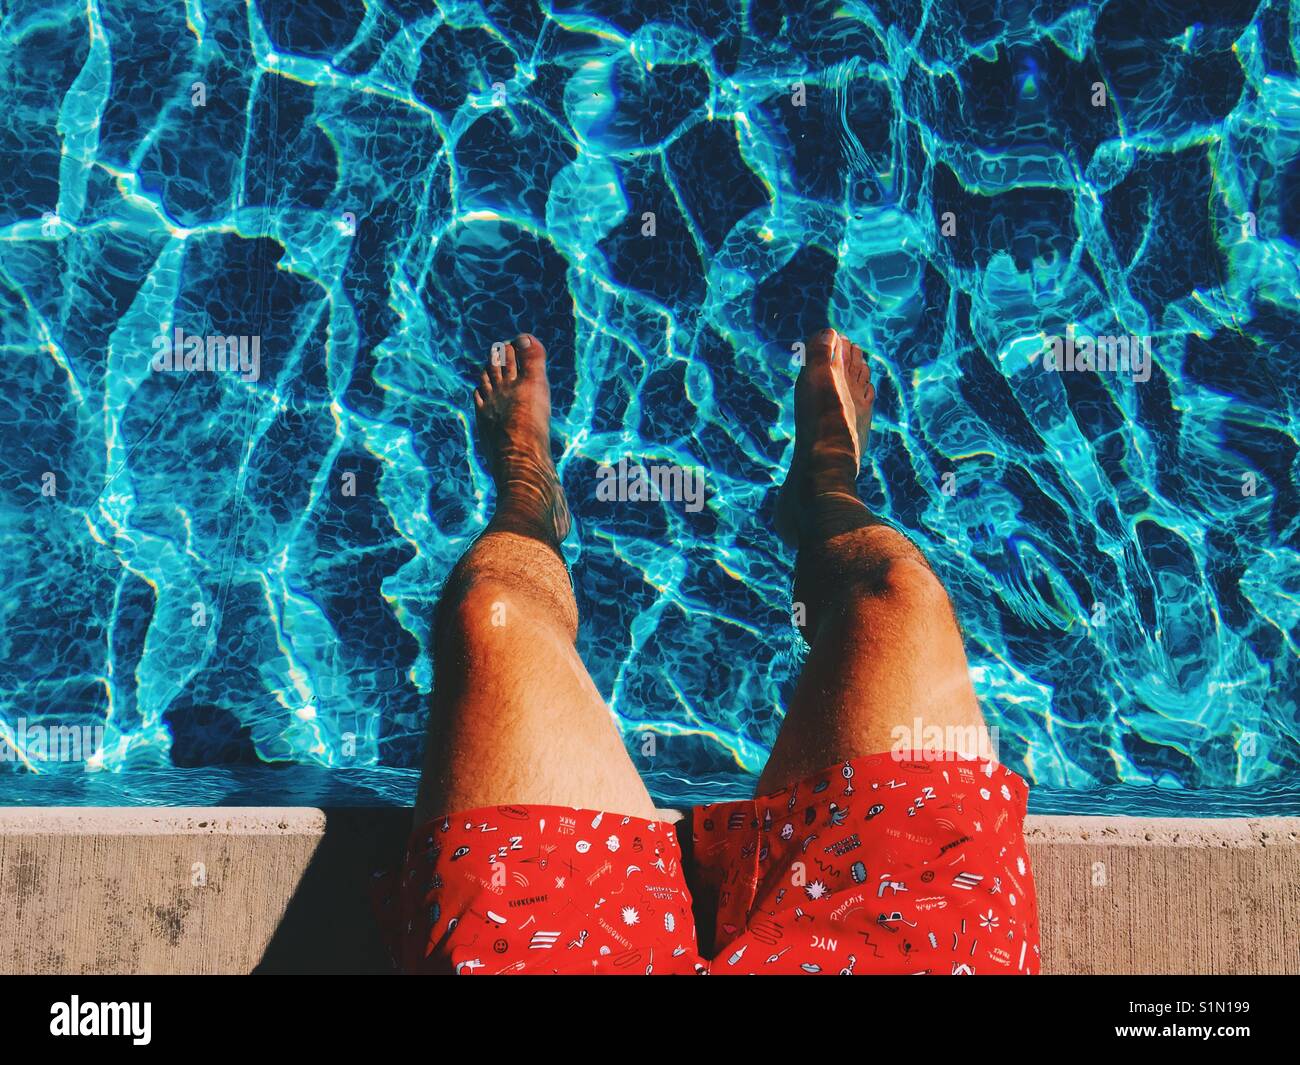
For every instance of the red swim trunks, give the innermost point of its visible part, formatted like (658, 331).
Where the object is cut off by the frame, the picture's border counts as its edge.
(879, 865)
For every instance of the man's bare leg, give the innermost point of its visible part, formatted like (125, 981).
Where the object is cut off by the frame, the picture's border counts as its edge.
(516, 718)
(886, 652)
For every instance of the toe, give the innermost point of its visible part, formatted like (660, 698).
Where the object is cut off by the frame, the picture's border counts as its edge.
(530, 353)
(485, 384)
(858, 365)
(821, 347)
(497, 361)
(478, 399)
(511, 368)
(844, 350)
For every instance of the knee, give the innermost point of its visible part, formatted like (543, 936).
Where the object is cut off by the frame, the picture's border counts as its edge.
(475, 604)
(477, 609)
(904, 590)
(910, 581)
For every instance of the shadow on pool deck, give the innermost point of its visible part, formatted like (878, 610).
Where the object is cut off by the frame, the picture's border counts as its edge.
(327, 926)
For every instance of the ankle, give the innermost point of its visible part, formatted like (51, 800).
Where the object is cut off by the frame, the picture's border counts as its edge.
(828, 513)
(532, 522)
(831, 466)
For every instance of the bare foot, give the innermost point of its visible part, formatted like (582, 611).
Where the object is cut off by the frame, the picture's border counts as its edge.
(513, 401)
(833, 397)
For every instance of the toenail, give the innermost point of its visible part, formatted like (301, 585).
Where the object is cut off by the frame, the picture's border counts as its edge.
(525, 341)
(829, 334)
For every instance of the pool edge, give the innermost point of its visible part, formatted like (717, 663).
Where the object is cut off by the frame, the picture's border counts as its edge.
(283, 889)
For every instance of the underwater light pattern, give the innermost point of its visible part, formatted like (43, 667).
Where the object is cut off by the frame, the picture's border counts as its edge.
(252, 254)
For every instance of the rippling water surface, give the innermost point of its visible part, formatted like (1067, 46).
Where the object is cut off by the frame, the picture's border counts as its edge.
(224, 573)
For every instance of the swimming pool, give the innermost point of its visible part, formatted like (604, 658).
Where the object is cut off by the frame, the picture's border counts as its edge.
(230, 574)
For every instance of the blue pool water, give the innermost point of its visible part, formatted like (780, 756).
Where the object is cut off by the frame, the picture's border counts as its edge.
(234, 578)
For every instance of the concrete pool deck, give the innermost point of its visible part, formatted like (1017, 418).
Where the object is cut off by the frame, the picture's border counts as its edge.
(283, 889)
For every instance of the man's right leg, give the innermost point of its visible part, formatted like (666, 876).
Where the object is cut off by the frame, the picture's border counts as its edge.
(885, 853)
(886, 652)
(886, 669)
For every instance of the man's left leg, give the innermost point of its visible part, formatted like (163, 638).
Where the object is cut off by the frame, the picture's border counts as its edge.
(516, 717)
(536, 847)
